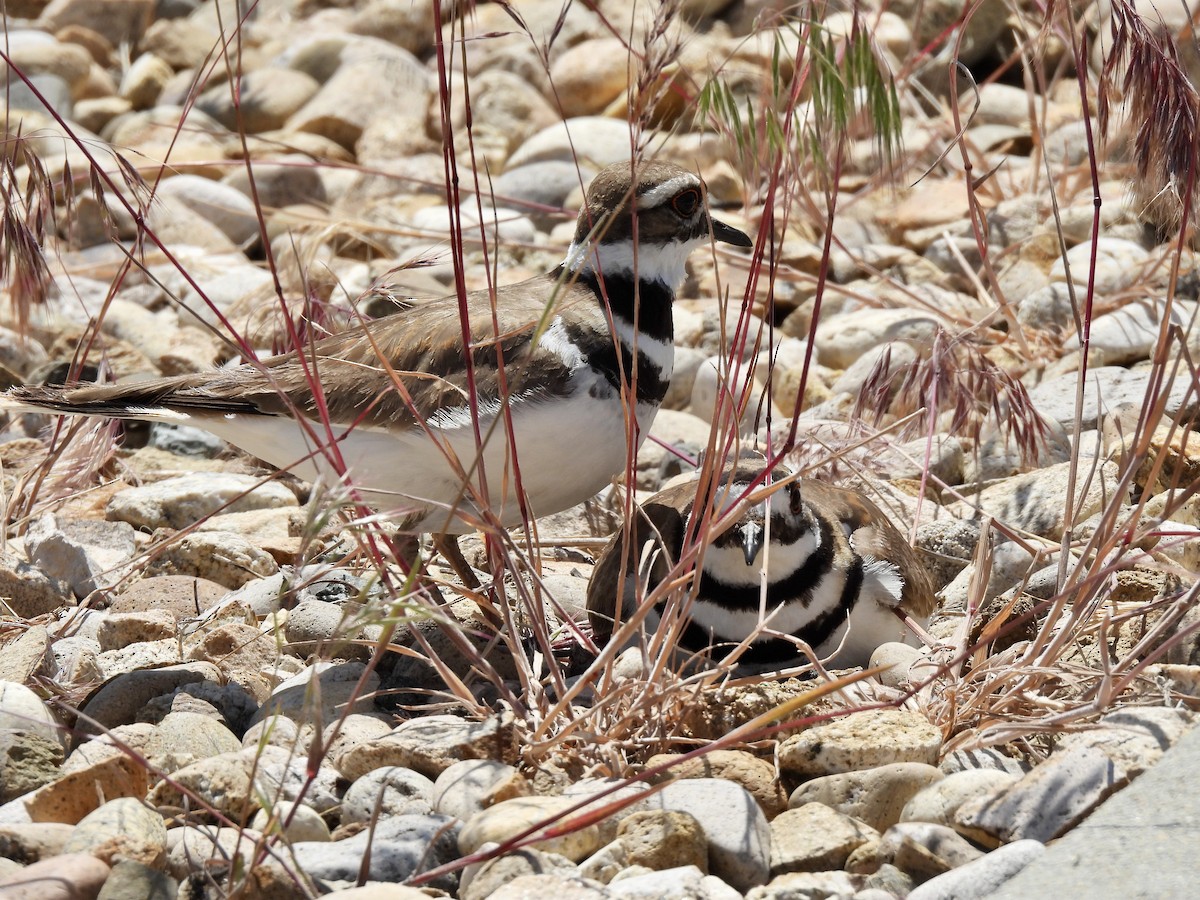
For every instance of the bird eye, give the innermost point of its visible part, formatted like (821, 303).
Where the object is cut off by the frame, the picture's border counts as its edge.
(795, 501)
(686, 202)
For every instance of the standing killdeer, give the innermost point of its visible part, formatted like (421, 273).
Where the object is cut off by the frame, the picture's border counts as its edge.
(557, 359)
(837, 572)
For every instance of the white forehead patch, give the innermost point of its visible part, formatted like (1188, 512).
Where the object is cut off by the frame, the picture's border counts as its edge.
(781, 504)
(657, 196)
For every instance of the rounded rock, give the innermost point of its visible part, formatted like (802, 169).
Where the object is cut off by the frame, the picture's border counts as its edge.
(861, 740)
(121, 829)
(387, 791)
(873, 796)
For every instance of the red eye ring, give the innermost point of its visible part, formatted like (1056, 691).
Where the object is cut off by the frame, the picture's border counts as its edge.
(686, 202)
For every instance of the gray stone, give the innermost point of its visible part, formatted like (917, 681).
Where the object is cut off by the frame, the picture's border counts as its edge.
(509, 818)
(178, 502)
(678, 883)
(28, 591)
(939, 802)
(400, 847)
(1037, 501)
(596, 140)
(982, 877)
(860, 740)
(131, 880)
(125, 828)
(431, 744)
(221, 204)
(84, 554)
(120, 700)
(739, 838)
(267, 98)
(461, 789)
(873, 796)
(924, 850)
(1044, 804)
(815, 838)
(387, 791)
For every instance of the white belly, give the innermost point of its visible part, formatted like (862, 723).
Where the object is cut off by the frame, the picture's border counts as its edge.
(566, 451)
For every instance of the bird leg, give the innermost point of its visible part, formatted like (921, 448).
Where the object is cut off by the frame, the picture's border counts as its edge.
(447, 545)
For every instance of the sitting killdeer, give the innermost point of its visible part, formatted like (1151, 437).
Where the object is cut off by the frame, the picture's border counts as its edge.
(837, 571)
(558, 359)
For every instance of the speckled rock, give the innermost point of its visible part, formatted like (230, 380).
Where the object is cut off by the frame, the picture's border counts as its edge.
(512, 817)
(125, 828)
(815, 838)
(872, 796)
(861, 740)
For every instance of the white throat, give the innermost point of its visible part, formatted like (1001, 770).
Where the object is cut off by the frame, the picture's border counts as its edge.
(665, 263)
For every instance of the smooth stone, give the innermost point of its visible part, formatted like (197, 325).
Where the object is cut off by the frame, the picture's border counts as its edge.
(387, 791)
(924, 850)
(131, 880)
(400, 847)
(221, 204)
(124, 828)
(209, 849)
(843, 339)
(677, 883)
(120, 699)
(182, 738)
(984, 758)
(503, 821)
(461, 790)
(815, 838)
(178, 502)
(22, 710)
(480, 880)
(1118, 264)
(861, 740)
(1107, 388)
(431, 744)
(1054, 797)
(74, 876)
(339, 684)
(739, 837)
(872, 796)
(1037, 501)
(295, 821)
(1134, 738)
(755, 774)
(564, 886)
(897, 660)
(979, 879)
(938, 802)
(597, 140)
(33, 841)
(806, 886)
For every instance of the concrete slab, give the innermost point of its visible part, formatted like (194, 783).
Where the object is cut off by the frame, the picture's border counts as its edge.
(1144, 842)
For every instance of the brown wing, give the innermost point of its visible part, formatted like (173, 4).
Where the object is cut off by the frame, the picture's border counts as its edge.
(423, 346)
(660, 522)
(874, 532)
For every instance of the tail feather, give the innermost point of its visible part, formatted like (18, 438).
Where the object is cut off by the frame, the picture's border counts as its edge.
(171, 399)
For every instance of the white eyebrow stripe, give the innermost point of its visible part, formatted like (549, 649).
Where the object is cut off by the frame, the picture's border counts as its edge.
(668, 189)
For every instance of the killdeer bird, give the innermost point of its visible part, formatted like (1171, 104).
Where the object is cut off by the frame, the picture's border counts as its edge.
(557, 360)
(837, 571)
